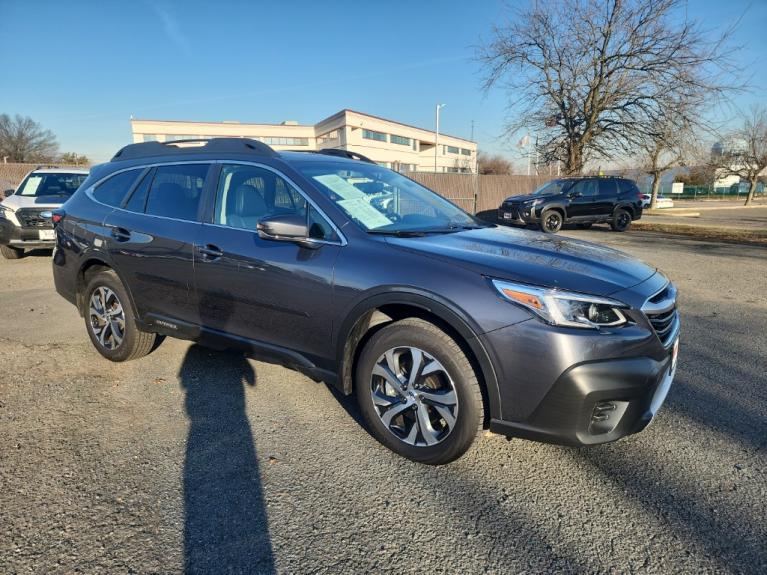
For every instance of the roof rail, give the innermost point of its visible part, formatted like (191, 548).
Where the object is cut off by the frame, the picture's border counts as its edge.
(338, 152)
(231, 145)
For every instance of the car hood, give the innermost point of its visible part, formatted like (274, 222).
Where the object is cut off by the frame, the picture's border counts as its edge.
(15, 201)
(533, 258)
(526, 197)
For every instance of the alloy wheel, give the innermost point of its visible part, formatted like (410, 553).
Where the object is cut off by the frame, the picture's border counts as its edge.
(623, 220)
(106, 318)
(553, 222)
(414, 396)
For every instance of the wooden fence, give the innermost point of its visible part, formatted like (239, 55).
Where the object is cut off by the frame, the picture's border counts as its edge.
(458, 188)
(490, 190)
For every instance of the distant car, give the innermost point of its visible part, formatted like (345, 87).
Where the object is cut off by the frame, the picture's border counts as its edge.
(25, 220)
(663, 201)
(583, 201)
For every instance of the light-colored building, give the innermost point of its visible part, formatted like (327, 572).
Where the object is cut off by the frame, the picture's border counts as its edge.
(392, 144)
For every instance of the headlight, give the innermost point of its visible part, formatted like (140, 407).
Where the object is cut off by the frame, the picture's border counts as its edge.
(559, 307)
(5, 211)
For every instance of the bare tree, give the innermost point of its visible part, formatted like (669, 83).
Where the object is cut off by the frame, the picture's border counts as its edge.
(667, 145)
(746, 155)
(74, 159)
(24, 140)
(492, 164)
(593, 76)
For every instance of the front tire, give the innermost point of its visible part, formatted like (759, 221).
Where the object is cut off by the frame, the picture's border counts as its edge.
(418, 392)
(110, 321)
(551, 221)
(621, 221)
(11, 253)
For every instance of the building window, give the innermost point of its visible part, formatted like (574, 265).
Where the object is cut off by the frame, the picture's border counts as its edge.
(329, 137)
(452, 150)
(400, 140)
(284, 141)
(384, 164)
(406, 167)
(175, 137)
(415, 145)
(465, 152)
(149, 138)
(371, 135)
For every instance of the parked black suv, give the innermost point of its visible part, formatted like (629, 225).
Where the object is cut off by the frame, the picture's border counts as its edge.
(583, 201)
(358, 276)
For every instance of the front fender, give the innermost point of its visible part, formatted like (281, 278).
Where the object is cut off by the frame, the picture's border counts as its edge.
(347, 338)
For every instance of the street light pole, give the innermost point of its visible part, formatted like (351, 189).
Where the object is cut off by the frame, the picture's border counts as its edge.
(436, 135)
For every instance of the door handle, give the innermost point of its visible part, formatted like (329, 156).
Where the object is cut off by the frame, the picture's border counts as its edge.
(210, 252)
(120, 234)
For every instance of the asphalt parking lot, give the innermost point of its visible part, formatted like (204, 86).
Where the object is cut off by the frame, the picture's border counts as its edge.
(203, 461)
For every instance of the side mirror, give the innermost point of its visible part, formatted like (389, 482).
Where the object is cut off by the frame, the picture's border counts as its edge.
(7, 193)
(286, 228)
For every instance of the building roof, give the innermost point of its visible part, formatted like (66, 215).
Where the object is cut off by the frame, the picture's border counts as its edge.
(345, 110)
(325, 120)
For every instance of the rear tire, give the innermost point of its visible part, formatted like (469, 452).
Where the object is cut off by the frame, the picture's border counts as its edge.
(111, 322)
(551, 221)
(621, 221)
(10, 253)
(431, 415)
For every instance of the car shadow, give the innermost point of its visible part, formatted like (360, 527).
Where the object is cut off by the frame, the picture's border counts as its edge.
(226, 527)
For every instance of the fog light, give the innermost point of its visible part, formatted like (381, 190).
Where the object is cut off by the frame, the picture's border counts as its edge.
(606, 416)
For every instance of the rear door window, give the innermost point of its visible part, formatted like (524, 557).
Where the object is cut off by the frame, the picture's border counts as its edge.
(176, 191)
(587, 188)
(113, 190)
(607, 187)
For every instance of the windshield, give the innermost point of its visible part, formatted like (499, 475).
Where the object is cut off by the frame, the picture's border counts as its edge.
(552, 187)
(380, 200)
(59, 184)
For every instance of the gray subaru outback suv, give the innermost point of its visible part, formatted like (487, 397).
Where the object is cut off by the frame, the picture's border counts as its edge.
(353, 274)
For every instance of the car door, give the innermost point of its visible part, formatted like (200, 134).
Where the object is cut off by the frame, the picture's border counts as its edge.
(581, 196)
(606, 198)
(275, 292)
(151, 242)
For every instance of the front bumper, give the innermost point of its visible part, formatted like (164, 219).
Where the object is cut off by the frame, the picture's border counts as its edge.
(579, 387)
(18, 237)
(517, 214)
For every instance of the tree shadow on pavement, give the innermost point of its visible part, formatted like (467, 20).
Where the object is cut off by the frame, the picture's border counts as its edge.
(226, 527)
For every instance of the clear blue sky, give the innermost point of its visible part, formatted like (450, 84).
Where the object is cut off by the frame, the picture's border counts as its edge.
(83, 68)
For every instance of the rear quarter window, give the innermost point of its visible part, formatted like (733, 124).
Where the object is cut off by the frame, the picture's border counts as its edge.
(627, 186)
(113, 190)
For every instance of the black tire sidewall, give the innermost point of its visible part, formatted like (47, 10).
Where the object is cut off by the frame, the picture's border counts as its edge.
(545, 217)
(469, 409)
(125, 349)
(614, 224)
(11, 253)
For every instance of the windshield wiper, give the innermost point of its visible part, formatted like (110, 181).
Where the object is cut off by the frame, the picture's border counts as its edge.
(399, 233)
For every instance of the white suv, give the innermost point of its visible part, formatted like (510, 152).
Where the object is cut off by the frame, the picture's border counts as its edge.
(25, 220)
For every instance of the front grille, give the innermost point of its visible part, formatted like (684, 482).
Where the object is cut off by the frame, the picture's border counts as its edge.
(512, 209)
(663, 323)
(661, 311)
(30, 218)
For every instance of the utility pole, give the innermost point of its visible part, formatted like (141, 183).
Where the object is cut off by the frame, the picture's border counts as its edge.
(436, 135)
